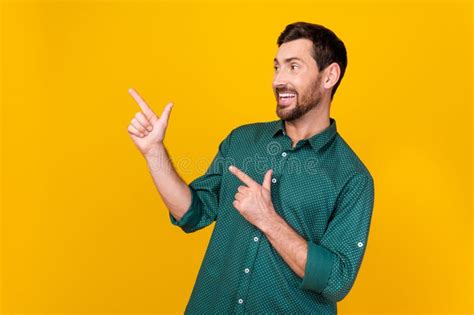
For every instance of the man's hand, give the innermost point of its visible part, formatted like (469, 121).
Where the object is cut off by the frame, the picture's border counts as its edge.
(254, 201)
(146, 129)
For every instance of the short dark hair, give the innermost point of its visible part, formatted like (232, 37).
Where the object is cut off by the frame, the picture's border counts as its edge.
(327, 47)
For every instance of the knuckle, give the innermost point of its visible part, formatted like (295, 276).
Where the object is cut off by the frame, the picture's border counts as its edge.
(137, 125)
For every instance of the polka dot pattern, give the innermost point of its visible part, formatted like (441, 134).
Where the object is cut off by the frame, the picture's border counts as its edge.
(322, 190)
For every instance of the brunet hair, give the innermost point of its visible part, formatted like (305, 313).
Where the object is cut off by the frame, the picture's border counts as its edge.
(327, 47)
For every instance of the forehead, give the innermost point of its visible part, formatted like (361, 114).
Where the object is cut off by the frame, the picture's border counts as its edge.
(300, 48)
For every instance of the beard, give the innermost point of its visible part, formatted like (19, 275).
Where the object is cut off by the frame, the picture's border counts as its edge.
(309, 100)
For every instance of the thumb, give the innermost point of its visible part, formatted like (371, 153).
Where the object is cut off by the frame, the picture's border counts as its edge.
(267, 180)
(165, 115)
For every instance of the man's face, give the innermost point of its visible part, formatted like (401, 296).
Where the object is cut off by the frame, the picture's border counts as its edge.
(296, 82)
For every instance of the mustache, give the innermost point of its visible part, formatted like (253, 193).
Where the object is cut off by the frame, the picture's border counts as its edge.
(285, 90)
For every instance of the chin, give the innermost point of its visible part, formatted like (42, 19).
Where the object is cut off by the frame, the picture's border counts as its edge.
(284, 111)
(283, 114)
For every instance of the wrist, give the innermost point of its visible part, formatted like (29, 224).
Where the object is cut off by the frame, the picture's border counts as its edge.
(155, 152)
(271, 223)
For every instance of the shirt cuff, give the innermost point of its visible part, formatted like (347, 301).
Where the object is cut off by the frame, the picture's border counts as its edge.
(318, 268)
(191, 216)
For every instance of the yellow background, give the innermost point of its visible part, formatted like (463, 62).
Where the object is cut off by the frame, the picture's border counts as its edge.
(83, 228)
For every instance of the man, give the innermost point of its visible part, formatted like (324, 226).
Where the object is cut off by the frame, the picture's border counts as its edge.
(292, 202)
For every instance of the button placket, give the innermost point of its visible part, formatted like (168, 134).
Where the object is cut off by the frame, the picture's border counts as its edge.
(280, 158)
(245, 279)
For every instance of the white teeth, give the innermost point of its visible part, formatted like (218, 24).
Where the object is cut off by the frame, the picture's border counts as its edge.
(286, 95)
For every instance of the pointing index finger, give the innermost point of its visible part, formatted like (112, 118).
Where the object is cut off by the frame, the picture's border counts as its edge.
(143, 105)
(242, 176)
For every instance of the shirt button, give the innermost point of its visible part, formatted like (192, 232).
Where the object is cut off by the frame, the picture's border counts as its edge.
(255, 239)
(241, 301)
(274, 180)
(246, 270)
(283, 154)
(360, 244)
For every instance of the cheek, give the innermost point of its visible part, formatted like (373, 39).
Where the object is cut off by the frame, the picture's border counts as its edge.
(303, 90)
(298, 85)
(308, 88)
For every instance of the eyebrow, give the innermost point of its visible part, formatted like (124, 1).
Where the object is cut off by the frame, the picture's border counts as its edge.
(289, 59)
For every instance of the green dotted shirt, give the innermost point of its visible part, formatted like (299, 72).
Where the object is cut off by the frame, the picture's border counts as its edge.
(319, 187)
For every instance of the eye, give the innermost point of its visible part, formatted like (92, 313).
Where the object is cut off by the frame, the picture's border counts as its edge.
(293, 66)
(275, 68)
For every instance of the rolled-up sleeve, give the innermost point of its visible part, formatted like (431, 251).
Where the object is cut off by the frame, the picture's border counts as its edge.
(205, 192)
(333, 263)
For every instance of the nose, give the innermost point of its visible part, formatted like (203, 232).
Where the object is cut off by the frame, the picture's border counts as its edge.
(279, 80)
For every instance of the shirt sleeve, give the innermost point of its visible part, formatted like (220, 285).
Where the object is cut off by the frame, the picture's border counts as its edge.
(333, 263)
(205, 192)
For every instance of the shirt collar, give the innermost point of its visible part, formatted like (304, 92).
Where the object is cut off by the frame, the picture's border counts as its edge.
(316, 141)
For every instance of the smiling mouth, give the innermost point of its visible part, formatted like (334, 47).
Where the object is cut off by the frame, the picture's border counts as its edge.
(286, 98)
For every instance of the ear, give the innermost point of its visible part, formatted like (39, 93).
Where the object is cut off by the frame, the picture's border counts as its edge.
(331, 75)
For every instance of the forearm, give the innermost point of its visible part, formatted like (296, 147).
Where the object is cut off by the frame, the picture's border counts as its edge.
(175, 193)
(291, 246)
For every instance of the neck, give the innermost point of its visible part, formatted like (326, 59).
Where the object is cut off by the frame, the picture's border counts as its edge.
(311, 123)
